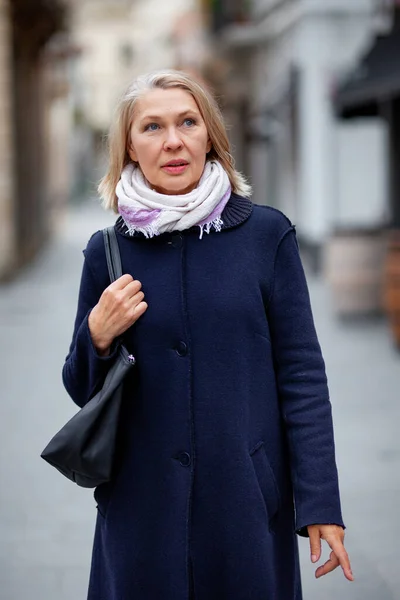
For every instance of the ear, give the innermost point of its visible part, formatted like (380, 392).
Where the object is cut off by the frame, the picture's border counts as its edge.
(209, 146)
(132, 153)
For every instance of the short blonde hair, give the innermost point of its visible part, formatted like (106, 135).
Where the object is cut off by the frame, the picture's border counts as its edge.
(119, 135)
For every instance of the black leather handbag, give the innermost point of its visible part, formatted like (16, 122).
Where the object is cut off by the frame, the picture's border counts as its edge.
(84, 449)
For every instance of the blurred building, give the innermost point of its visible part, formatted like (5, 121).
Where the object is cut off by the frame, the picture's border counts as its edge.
(26, 95)
(311, 91)
(173, 40)
(371, 90)
(278, 64)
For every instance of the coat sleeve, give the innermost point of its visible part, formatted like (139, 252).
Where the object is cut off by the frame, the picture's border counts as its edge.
(303, 391)
(84, 369)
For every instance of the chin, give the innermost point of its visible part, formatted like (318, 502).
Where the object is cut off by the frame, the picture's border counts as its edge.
(176, 187)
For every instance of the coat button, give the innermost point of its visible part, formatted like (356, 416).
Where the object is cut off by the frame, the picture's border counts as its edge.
(177, 240)
(181, 349)
(184, 459)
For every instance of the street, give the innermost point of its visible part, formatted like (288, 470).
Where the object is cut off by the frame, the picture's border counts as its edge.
(46, 522)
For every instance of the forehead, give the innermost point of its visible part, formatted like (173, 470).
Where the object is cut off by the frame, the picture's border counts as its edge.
(164, 103)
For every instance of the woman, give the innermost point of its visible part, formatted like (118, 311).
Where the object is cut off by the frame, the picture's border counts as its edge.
(227, 415)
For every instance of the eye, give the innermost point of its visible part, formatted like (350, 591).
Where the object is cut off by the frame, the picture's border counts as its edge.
(151, 127)
(189, 122)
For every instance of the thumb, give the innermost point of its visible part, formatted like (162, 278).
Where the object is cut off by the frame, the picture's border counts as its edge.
(315, 543)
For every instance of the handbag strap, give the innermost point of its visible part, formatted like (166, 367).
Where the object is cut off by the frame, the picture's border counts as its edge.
(112, 253)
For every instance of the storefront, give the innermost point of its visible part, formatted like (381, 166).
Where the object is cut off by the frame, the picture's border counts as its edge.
(373, 90)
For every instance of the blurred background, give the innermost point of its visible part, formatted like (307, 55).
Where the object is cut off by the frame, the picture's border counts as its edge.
(310, 90)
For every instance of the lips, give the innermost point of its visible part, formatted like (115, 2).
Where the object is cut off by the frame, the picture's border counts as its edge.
(178, 162)
(176, 166)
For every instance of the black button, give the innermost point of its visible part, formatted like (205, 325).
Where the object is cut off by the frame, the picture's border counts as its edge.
(181, 349)
(177, 240)
(184, 459)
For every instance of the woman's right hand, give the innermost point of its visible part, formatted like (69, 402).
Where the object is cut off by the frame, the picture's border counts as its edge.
(120, 306)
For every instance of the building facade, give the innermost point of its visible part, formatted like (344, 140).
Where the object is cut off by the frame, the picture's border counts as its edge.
(26, 26)
(282, 62)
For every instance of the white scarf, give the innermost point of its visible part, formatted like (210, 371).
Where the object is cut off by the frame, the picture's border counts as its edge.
(145, 210)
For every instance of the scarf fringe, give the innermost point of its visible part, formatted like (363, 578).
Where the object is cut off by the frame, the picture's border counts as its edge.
(216, 223)
(148, 231)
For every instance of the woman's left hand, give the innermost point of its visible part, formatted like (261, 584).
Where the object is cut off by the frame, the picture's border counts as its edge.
(334, 536)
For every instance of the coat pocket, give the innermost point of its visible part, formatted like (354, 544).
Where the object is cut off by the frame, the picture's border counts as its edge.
(266, 481)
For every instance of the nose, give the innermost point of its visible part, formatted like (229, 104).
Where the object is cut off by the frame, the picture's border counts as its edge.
(173, 140)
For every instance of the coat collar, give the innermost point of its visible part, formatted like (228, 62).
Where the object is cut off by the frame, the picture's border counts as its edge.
(236, 211)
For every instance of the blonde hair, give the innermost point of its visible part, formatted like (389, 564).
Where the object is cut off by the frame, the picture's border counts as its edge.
(119, 135)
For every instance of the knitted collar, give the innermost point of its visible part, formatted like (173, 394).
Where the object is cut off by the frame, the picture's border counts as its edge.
(237, 210)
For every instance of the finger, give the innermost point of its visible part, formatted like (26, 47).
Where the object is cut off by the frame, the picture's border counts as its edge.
(121, 282)
(132, 288)
(331, 564)
(342, 556)
(137, 298)
(140, 309)
(315, 544)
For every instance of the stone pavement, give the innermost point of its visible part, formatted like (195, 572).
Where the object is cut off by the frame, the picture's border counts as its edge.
(46, 523)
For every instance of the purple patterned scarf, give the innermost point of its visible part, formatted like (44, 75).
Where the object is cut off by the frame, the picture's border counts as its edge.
(145, 210)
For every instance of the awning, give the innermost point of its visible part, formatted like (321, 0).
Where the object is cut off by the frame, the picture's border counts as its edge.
(374, 81)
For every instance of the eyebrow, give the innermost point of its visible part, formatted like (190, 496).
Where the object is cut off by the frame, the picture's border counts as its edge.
(189, 111)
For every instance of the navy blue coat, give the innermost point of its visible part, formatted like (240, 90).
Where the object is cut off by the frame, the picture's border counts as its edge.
(226, 417)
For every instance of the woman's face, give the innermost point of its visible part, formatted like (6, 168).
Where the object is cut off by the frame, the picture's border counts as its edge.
(169, 140)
